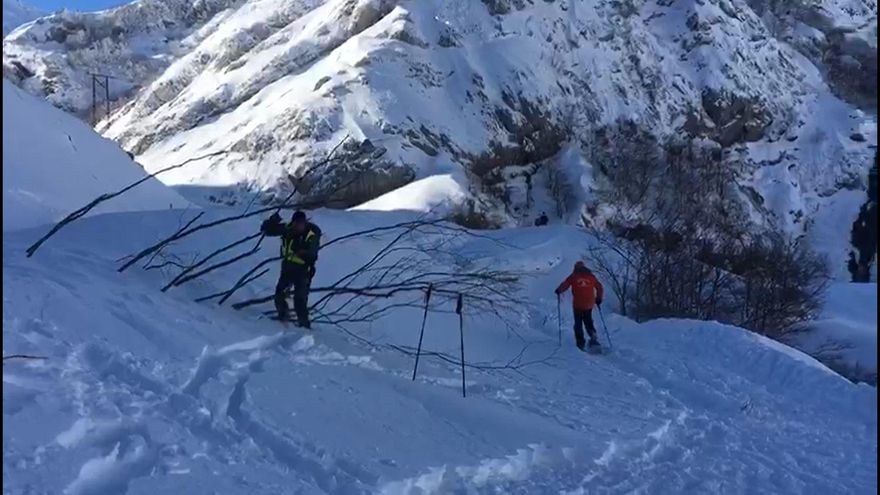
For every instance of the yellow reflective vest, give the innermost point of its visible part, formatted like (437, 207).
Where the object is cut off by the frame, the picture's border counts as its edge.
(289, 248)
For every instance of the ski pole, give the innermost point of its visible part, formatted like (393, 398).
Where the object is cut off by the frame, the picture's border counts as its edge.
(559, 317)
(605, 326)
(422, 332)
(458, 309)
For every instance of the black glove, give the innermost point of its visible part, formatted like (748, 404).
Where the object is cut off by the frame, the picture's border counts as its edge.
(275, 219)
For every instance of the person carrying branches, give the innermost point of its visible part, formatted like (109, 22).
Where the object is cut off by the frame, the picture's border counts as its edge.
(300, 241)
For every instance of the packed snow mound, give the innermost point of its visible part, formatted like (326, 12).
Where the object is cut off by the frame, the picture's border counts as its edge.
(438, 194)
(490, 90)
(147, 392)
(54, 164)
(16, 13)
(845, 335)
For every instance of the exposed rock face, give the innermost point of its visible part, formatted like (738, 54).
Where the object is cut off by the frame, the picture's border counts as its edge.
(839, 36)
(863, 257)
(728, 119)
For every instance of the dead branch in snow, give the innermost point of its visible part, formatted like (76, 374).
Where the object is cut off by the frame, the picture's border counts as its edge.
(186, 274)
(108, 196)
(398, 274)
(242, 282)
(182, 276)
(24, 356)
(244, 279)
(180, 234)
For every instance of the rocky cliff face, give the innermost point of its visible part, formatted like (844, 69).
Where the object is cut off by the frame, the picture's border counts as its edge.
(513, 98)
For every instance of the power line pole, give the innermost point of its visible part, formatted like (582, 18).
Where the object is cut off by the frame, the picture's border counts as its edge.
(100, 81)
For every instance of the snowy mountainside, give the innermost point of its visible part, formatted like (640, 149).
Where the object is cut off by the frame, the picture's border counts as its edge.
(156, 394)
(16, 13)
(489, 92)
(53, 163)
(132, 42)
(844, 336)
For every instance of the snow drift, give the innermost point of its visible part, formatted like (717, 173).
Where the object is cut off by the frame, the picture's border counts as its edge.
(53, 164)
(844, 336)
(147, 392)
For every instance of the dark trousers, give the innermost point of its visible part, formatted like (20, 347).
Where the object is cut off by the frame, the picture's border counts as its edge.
(298, 277)
(583, 319)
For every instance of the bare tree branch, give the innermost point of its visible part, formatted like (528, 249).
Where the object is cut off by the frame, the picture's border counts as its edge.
(108, 196)
(23, 356)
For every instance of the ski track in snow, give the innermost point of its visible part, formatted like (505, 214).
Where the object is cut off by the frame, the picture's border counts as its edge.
(207, 397)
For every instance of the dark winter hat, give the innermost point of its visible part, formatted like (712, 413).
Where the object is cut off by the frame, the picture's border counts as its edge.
(298, 216)
(579, 264)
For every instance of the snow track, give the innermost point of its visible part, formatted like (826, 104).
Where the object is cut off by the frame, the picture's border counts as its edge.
(155, 394)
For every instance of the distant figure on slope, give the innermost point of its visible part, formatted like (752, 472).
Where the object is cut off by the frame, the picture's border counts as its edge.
(300, 240)
(542, 220)
(586, 292)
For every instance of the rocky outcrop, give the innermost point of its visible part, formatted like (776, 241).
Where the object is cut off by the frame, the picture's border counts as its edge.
(728, 118)
(863, 236)
(839, 36)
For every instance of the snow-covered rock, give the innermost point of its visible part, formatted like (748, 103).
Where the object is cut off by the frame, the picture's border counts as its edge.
(16, 13)
(488, 90)
(53, 164)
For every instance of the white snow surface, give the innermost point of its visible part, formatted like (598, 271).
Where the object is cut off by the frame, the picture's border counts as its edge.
(443, 83)
(16, 13)
(53, 164)
(436, 194)
(145, 392)
(845, 334)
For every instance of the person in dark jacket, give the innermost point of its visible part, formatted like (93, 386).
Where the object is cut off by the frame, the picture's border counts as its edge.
(300, 241)
(586, 291)
(542, 220)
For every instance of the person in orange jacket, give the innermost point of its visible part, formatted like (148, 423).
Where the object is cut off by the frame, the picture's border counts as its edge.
(586, 292)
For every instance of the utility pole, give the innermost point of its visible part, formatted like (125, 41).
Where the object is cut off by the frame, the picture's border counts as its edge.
(100, 81)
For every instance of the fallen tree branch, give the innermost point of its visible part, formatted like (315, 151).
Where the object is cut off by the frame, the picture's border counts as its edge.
(106, 197)
(243, 282)
(247, 214)
(23, 356)
(177, 279)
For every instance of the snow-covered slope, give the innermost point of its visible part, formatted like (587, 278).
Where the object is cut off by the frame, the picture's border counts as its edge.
(16, 13)
(53, 164)
(489, 90)
(145, 392)
(845, 334)
(133, 43)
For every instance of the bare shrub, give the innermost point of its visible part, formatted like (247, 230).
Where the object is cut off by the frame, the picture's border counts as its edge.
(469, 216)
(680, 246)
